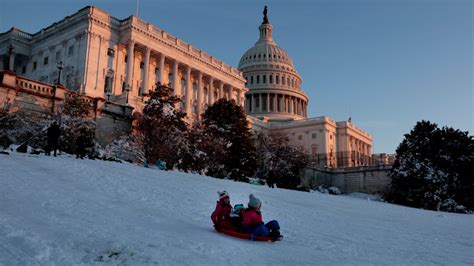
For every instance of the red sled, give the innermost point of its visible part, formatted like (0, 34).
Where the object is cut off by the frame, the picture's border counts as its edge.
(243, 235)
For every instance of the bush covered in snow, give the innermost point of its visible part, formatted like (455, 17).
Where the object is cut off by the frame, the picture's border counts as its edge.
(434, 169)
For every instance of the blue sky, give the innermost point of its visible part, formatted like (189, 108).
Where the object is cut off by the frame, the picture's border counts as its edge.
(385, 63)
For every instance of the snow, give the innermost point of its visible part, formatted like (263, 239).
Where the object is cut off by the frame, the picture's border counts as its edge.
(65, 211)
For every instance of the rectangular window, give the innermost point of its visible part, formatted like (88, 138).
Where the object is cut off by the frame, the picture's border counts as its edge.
(70, 50)
(58, 56)
(142, 65)
(251, 79)
(300, 137)
(126, 58)
(45, 60)
(258, 79)
(313, 135)
(35, 64)
(264, 79)
(23, 70)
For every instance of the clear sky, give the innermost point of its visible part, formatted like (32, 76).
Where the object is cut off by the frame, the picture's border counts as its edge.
(385, 63)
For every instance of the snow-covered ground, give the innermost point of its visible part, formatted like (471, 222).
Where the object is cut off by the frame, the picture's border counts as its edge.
(63, 211)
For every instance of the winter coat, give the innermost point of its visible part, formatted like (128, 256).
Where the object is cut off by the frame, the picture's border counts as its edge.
(53, 133)
(221, 213)
(251, 219)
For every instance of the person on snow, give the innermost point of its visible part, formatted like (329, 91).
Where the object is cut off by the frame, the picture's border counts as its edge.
(221, 215)
(53, 133)
(236, 216)
(252, 222)
(81, 143)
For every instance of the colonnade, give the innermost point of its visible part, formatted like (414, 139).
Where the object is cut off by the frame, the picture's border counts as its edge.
(275, 103)
(198, 88)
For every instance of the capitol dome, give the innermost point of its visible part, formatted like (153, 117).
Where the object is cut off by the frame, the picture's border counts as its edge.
(272, 80)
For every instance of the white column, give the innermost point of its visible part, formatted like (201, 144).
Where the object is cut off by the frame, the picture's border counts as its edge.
(200, 100)
(290, 105)
(189, 94)
(268, 102)
(12, 62)
(221, 90)
(130, 59)
(176, 88)
(239, 97)
(146, 69)
(211, 91)
(161, 69)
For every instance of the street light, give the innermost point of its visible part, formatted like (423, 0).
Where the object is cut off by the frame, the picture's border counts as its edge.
(127, 89)
(60, 67)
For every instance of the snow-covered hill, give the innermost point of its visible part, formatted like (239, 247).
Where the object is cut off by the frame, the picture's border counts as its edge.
(63, 211)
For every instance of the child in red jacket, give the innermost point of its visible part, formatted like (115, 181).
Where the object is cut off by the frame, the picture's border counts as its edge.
(252, 221)
(221, 215)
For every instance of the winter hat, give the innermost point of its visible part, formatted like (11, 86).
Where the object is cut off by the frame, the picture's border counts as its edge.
(222, 194)
(254, 202)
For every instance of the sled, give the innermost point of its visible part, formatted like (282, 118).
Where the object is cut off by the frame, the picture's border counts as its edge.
(246, 236)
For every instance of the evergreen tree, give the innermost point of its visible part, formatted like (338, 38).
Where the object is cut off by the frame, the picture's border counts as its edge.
(162, 127)
(74, 121)
(434, 169)
(226, 124)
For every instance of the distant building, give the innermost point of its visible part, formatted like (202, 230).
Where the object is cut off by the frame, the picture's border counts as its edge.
(119, 61)
(277, 104)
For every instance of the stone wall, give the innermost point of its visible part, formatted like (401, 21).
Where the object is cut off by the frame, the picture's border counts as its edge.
(33, 97)
(366, 179)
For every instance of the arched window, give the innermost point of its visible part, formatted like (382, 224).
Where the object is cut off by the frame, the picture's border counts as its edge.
(251, 79)
(283, 80)
(258, 79)
(288, 81)
(277, 79)
(271, 79)
(264, 79)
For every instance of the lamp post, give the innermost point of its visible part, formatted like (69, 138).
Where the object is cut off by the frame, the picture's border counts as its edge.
(60, 67)
(127, 89)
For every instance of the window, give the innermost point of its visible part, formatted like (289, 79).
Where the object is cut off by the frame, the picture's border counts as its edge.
(288, 81)
(277, 79)
(254, 56)
(258, 55)
(313, 135)
(300, 137)
(251, 79)
(258, 79)
(35, 64)
(283, 80)
(23, 70)
(246, 80)
(45, 60)
(110, 52)
(58, 56)
(142, 65)
(70, 50)
(271, 79)
(126, 58)
(330, 136)
(264, 79)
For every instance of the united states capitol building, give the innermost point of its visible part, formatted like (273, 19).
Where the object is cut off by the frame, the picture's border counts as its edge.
(116, 62)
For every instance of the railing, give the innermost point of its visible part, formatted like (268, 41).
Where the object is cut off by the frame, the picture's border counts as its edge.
(34, 86)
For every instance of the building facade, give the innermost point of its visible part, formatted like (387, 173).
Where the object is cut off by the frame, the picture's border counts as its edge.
(120, 60)
(277, 104)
